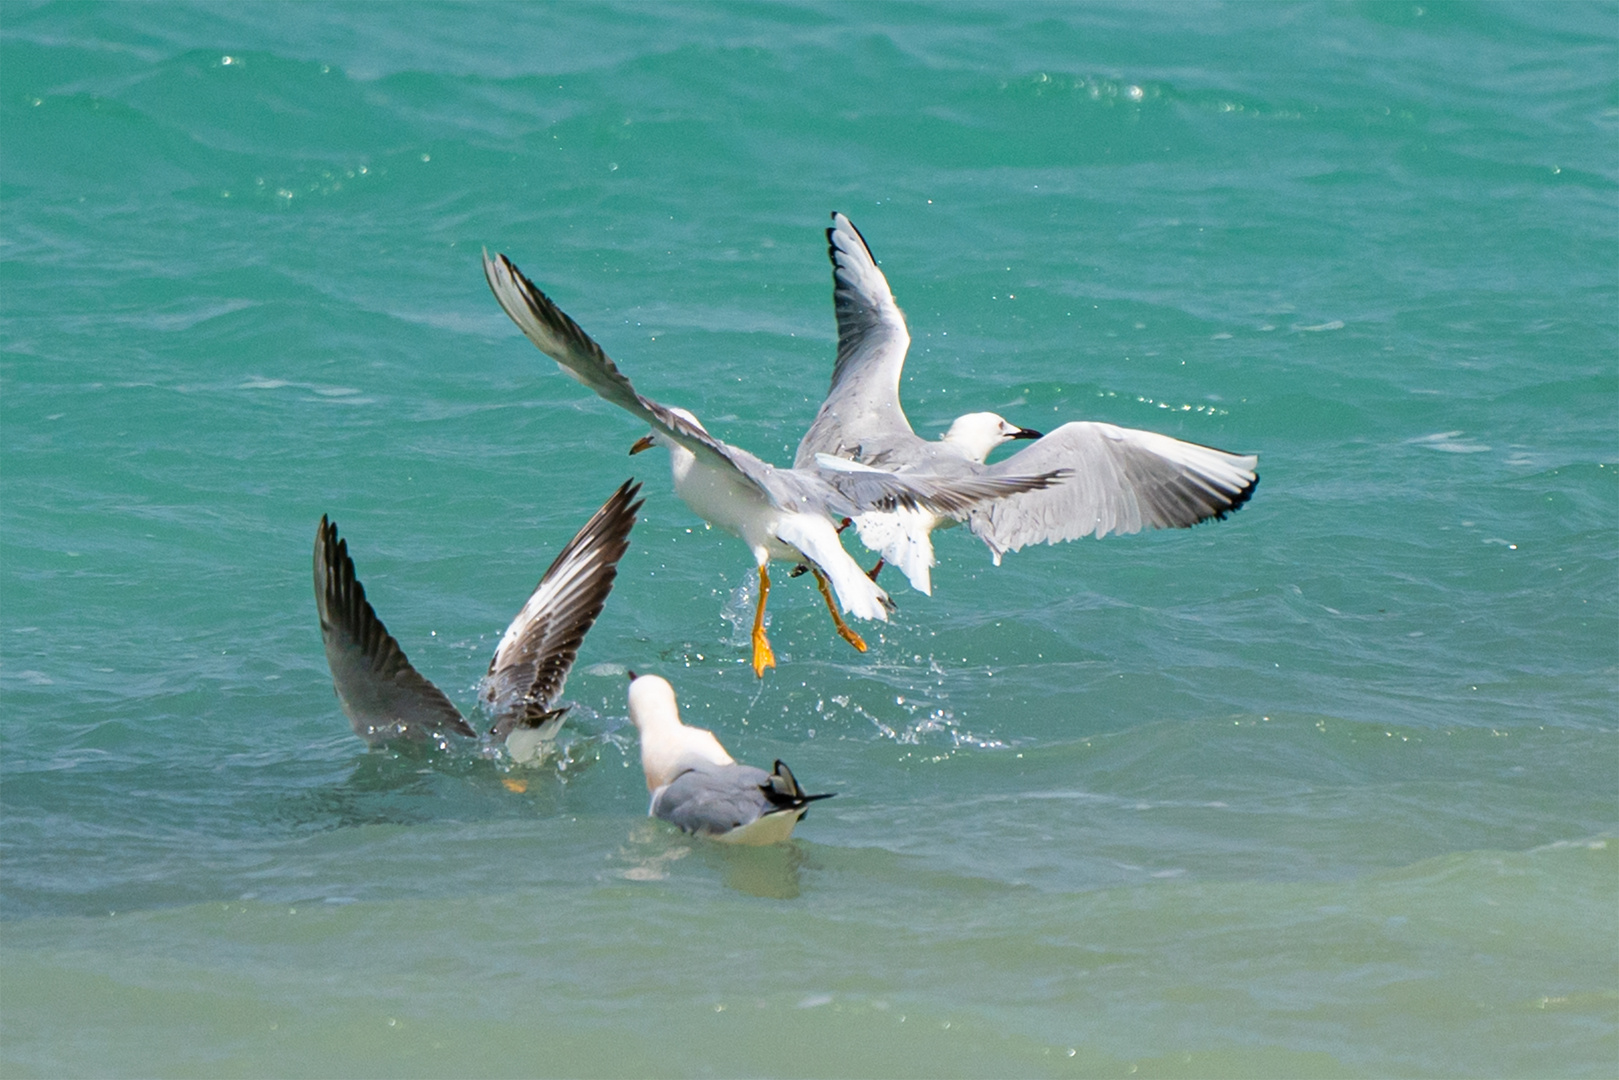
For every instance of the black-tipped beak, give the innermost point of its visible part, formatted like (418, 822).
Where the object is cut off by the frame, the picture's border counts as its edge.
(633, 676)
(1027, 433)
(643, 443)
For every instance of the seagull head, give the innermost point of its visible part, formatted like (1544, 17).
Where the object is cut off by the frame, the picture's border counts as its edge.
(652, 703)
(657, 722)
(667, 745)
(976, 434)
(658, 438)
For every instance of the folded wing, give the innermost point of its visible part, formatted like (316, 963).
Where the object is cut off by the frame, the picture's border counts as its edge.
(737, 803)
(1122, 481)
(531, 663)
(383, 696)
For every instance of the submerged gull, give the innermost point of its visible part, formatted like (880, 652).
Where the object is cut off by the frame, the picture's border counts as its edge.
(785, 514)
(1120, 480)
(699, 787)
(387, 699)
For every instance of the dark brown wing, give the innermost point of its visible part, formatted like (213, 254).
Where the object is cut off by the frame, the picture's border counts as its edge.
(531, 663)
(383, 695)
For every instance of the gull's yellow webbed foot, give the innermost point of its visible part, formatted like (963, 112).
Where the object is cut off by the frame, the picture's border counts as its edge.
(763, 656)
(832, 605)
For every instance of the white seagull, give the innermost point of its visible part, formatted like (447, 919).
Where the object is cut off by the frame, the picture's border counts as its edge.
(699, 787)
(1120, 480)
(785, 514)
(386, 698)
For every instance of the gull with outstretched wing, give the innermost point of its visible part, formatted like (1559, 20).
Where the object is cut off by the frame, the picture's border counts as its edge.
(1116, 480)
(386, 698)
(784, 514)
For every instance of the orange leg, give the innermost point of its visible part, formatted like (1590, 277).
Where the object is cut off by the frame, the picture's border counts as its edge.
(763, 656)
(831, 605)
(872, 574)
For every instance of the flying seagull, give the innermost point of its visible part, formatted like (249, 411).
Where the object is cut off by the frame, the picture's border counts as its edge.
(1119, 480)
(785, 514)
(699, 787)
(386, 698)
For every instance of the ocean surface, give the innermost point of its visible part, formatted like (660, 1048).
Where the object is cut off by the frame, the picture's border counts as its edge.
(1330, 788)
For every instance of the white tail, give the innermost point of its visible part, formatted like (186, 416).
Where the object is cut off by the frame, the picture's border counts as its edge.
(815, 537)
(903, 541)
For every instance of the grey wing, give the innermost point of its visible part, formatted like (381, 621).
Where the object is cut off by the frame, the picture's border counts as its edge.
(714, 799)
(861, 417)
(383, 696)
(531, 663)
(869, 488)
(560, 338)
(1122, 480)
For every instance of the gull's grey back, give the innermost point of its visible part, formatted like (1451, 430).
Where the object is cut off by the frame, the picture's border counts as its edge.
(712, 799)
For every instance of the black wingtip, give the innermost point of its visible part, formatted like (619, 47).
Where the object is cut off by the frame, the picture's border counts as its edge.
(1238, 501)
(832, 247)
(628, 490)
(325, 533)
(784, 790)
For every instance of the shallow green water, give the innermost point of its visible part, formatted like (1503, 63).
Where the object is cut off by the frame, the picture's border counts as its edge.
(1328, 788)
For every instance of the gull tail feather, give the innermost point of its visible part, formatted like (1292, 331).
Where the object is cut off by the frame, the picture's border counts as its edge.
(815, 537)
(903, 540)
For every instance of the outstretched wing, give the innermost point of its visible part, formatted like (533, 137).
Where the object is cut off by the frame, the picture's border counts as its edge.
(861, 417)
(560, 338)
(384, 697)
(871, 489)
(1122, 481)
(531, 662)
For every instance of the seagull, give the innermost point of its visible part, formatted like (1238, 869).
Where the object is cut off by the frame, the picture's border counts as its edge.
(699, 787)
(386, 699)
(784, 514)
(1120, 480)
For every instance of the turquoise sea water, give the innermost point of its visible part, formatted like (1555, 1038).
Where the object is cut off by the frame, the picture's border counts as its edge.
(1329, 788)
